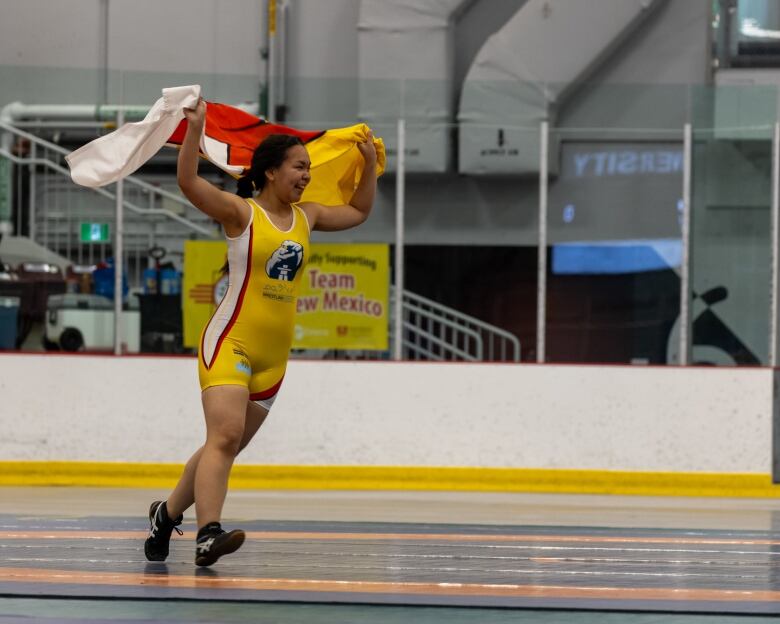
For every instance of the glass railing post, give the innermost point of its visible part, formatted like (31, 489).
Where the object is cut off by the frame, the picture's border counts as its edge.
(773, 252)
(118, 253)
(685, 262)
(541, 286)
(399, 241)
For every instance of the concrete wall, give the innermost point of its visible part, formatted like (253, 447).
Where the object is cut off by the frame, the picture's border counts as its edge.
(144, 409)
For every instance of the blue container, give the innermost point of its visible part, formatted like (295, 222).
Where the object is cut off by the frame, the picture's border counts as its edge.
(103, 279)
(170, 282)
(9, 317)
(150, 281)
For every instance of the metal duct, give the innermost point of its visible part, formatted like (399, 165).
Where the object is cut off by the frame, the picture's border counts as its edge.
(525, 71)
(406, 70)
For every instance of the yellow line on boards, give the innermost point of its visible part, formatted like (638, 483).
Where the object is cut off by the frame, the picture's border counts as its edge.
(141, 475)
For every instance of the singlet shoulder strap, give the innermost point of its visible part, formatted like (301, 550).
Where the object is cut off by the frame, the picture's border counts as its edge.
(303, 216)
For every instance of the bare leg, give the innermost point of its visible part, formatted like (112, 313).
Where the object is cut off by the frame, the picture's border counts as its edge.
(183, 495)
(225, 411)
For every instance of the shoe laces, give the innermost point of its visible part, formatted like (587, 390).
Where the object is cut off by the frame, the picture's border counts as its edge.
(155, 527)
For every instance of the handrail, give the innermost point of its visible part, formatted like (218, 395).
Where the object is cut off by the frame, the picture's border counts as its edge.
(34, 139)
(442, 343)
(61, 150)
(460, 315)
(128, 180)
(108, 194)
(436, 312)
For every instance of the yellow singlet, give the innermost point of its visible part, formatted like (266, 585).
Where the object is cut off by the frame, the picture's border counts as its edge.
(247, 340)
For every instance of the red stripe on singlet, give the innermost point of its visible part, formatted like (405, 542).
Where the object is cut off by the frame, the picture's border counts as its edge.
(234, 316)
(267, 394)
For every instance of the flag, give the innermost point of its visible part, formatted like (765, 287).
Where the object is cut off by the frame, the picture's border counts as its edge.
(229, 139)
(231, 136)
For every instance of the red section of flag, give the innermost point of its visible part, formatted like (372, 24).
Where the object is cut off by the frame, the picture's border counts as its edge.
(240, 131)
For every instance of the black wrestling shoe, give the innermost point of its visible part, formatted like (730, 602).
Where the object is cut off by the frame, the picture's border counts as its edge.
(213, 542)
(160, 529)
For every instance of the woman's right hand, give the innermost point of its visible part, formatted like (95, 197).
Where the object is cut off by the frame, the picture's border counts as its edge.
(196, 117)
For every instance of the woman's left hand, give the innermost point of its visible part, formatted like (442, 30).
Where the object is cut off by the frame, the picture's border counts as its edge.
(368, 149)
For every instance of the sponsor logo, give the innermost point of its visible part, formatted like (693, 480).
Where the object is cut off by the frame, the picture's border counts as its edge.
(280, 291)
(302, 332)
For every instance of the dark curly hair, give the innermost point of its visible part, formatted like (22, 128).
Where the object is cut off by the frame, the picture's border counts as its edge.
(270, 154)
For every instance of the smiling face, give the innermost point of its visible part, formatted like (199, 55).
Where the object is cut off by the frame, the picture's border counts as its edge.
(290, 179)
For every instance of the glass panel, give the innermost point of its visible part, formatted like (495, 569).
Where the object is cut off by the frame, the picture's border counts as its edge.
(471, 216)
(615, 245)
(731, 224)
(731, 242)
(471, 248)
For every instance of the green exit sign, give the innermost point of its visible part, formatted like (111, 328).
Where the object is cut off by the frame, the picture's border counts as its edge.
(94, 233)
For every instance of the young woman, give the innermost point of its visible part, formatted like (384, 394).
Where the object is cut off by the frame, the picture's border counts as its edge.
(244, 347)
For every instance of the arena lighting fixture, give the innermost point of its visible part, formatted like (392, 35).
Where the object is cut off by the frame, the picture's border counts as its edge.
(751, 28)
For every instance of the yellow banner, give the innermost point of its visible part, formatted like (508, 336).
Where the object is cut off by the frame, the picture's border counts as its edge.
(203, 285)
(342, 304)
(344, 296)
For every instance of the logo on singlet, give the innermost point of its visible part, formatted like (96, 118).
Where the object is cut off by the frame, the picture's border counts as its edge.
(243, 366)
(285, 261)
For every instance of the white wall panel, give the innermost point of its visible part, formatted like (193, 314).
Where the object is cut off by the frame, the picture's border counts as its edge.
(145, 409)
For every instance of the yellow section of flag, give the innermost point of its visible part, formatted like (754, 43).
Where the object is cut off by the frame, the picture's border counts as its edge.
(337, 165)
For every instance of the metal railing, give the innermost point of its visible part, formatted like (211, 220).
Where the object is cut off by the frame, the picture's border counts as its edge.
(49, 207)
(432, 331)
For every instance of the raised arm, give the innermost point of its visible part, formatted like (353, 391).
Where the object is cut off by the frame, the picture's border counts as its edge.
(230, 210)
(333, 218)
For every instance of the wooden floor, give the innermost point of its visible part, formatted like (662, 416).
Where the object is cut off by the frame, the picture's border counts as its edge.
(550, 552)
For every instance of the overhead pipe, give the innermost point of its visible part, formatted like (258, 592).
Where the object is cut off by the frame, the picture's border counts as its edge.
(16, 111)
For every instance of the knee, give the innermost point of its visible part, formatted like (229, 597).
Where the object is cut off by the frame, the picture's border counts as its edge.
(226, 439)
